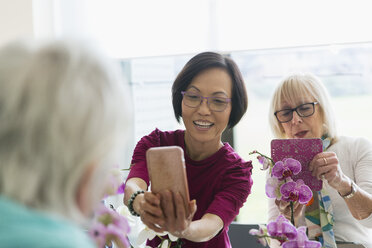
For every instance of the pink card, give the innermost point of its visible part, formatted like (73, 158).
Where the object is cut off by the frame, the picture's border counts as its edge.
(302, 150)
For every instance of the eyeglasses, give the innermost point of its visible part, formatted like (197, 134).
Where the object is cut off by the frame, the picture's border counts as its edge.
(303, 110)
(194, 100)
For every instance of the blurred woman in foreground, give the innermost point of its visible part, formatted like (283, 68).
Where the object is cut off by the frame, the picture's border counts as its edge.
(63, 115)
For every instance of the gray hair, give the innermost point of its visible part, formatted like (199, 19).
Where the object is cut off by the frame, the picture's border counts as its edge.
(63, 108)
(304, 85)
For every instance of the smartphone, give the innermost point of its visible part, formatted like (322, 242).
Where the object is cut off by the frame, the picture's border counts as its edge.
(302, 150)
(167, 171)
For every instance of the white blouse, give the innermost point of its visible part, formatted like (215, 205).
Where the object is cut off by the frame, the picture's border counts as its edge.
(355, 158)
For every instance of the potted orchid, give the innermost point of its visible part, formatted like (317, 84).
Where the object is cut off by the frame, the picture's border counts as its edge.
(281, 186)
(109, 225)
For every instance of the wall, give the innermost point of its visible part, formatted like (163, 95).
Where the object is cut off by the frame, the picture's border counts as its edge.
(15, 20)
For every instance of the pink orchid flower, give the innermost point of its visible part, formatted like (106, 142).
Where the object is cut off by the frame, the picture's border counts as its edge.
(114, 183)
(109, 226)
(98, 234)
(282, 229)
(272, 188)
(117, 235)
(301, 240)
(266, 163)
(296, 191)
(286, 168)
(121, 189)
(261, 233)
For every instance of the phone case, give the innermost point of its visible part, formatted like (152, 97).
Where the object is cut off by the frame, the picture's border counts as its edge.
(302, 150)
(166, 167)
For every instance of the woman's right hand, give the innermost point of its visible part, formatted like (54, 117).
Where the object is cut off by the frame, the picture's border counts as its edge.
(285, 209)
(178, 214)
(147, 205)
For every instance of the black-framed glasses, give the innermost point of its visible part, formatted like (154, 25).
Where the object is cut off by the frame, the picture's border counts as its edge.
(303, 110)
(194, 100)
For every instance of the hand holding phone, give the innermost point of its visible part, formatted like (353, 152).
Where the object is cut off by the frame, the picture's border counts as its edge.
(167, 171)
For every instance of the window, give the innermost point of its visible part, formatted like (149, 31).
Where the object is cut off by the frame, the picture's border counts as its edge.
(346, 71)
(133, 29)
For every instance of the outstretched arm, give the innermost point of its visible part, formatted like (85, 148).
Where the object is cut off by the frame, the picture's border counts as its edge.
(204, 229)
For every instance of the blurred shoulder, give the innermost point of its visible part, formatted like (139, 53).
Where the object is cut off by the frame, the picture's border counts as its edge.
(26, 227)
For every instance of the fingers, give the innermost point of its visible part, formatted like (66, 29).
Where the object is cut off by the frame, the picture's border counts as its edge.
(167, 204)
(152, 222)
(154, 198)
(177, 214)
(285, 208)
(322, 159)
(298, 208)
(324, 165)
(151, 198)
(322, 172)
(193, 208)
(180, 207)
(151, 204)
(153, 226)
(151, 212)
(281, 204)
(173, 205)
(155, 223)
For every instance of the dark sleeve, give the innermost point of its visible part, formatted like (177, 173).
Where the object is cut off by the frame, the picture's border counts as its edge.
(138, 164)
(235, 187)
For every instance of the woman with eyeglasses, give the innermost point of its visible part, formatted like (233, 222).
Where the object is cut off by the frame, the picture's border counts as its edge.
(209, 96)
(301, 108)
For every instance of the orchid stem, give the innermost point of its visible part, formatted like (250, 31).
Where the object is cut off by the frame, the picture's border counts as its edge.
(262, 155)
(271, 237)
(292, 216)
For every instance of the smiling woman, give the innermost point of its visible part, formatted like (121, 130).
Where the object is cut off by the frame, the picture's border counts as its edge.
(209, 95)
(204, 124)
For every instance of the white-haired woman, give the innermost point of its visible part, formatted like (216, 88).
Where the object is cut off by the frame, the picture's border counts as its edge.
(63, 115)
(301, 108)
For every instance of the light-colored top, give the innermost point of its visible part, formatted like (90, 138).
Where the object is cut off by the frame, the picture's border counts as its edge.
(355, 158)
(23, 227)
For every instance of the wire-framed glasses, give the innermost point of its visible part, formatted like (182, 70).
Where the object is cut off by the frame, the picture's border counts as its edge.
(194, 100)
(303, 110)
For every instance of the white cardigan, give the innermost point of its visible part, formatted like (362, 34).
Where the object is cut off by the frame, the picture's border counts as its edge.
(355, 158)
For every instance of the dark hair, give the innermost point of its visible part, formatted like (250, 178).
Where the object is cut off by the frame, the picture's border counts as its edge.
(202, 62)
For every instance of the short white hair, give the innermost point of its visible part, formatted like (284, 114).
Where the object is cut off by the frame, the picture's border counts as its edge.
(304, 85)
(63, 108)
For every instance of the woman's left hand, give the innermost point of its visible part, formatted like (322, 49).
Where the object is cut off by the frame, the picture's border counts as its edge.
(177, 214)
(325, 166)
